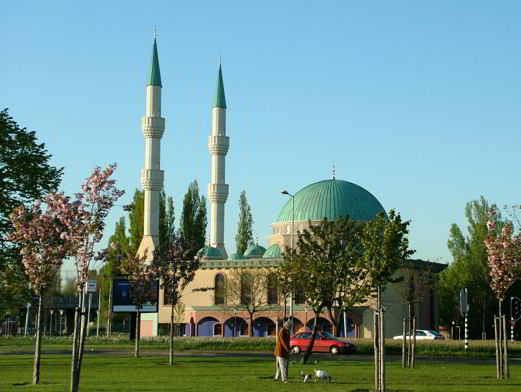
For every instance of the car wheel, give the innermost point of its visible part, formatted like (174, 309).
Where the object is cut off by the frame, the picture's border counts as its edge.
(295, 349)
(334, 350)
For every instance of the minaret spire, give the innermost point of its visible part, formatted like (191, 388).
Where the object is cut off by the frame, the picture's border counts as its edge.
(218, 144)
(153, 126)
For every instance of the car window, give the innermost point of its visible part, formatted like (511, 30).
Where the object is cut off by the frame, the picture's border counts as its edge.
(435, 333)
(329, 336)
(420, 333)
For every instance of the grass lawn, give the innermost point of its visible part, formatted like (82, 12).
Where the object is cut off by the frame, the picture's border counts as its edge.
(206, 373)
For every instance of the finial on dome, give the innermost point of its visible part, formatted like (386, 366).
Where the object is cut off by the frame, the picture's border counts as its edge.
(219, 59)
(333, 170)
(155, 33)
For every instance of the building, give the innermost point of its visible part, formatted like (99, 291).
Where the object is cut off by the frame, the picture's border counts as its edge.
(206, 313)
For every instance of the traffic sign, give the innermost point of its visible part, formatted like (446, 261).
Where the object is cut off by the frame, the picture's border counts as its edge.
(91, 286)
(515, 308)
(463, 302)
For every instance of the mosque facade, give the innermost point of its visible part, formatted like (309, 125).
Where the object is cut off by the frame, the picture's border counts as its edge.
(206, 313)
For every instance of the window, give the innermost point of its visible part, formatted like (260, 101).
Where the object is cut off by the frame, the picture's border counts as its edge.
(217, 330)
(219, 289)
(272, 329)
(300, 228)
(272, 289)
(299, 296)
(288, 229)
(244, 329)
(246, 288)
(167, 296)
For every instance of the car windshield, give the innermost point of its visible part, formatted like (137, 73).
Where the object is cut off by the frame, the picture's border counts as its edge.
(435, 333)
(329, 336)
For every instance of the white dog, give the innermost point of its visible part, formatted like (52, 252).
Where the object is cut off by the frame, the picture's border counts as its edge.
(322, 375)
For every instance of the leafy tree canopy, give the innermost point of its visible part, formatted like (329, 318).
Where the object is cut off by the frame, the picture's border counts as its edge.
(244, 237)
(193, 217)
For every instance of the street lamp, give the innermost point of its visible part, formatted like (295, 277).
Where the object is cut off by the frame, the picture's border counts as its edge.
(285, 192)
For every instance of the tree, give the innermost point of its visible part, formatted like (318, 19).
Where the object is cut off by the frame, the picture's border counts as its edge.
(244, 237)
(175, 266)
(166, 218)
(136, 217)
(40, 235)
(25, 176)
(141, 278)
(248, 290)
(469, 269)
(137, 221)
(385, 247)
(193, 217)
(324, 267)
(85, 221)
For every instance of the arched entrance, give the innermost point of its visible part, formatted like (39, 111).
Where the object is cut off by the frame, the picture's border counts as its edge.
(232, 326)
(263, 326)
(324, 325)
(209, 326)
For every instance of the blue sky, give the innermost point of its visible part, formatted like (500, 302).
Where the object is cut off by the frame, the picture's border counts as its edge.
(416, 101)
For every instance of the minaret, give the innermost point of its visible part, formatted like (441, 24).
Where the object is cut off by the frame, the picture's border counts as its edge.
(218, 145)
(153, 126)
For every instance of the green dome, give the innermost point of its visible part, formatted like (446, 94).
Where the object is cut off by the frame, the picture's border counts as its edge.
(235, 256)
(254, 251)
(331, 199)
(273, 252)
(208, 251)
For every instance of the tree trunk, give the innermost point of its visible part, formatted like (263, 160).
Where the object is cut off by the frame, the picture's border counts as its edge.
(83, 332)
(404, 340)
(376, 341)
(506, 373)
(413, 351)
(171, 347)
(382, 342)
(496, 338)
(75, 337)
(38, 347)
(138, 332)
(309, 349)
(251, 324)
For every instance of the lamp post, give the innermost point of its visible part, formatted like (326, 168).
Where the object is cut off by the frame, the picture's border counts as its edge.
(285, 192)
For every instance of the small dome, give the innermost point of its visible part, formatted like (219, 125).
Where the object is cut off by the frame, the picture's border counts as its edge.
(236, 256)
(273, 252)
(209, 252)
(254, 251)
(331, 199)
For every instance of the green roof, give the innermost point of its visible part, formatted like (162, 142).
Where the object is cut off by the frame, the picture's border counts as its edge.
(331, 199)
(273, 252)
(154, 75)
(254, 251)
(209, 251)
(219, 100)
(235, 256)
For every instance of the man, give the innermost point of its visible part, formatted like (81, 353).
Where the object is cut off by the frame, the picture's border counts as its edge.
(282, 352)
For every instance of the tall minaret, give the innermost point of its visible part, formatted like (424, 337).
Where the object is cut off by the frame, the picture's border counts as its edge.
(153, 126)
(218, 144)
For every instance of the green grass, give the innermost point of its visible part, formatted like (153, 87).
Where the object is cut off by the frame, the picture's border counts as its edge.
(117, 373)
(440, 348)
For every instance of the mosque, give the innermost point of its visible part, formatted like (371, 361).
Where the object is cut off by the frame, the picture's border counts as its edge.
(205, 313)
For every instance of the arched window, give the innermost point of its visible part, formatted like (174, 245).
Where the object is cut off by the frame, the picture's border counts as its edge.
(246, 288)
(299, 296)
(219, 289)
(272, 289)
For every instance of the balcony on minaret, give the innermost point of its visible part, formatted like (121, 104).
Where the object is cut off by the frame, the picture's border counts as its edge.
(153, 127)
(218, 145)
(218, 193)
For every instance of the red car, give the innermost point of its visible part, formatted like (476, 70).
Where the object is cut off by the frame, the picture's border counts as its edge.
(324, 342)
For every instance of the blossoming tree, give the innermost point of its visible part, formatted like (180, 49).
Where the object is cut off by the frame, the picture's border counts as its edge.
(504, 262)
(43, 250)
(141, 277)
(175, 264)
(85, 221)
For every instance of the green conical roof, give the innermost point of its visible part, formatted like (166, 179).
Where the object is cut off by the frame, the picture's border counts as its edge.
(219, 100)
(154, 75)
